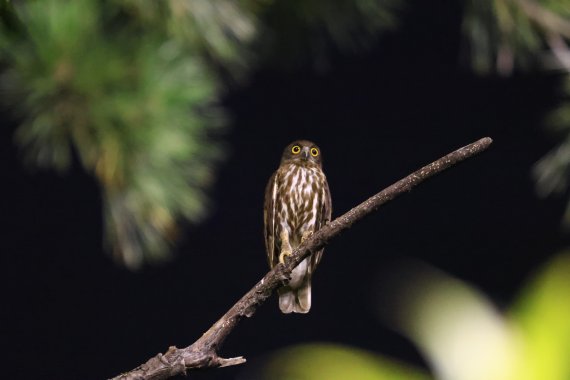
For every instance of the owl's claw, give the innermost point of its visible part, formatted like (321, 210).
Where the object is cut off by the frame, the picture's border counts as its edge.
(306, 235)
(282, 256)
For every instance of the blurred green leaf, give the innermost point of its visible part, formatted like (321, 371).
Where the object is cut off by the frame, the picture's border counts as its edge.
(542, 315)
(136, 108)
(459, 331)
(218, 30)
(292, 30)
(499, 34)
(465, 337)
(552, 171)
(335, 362)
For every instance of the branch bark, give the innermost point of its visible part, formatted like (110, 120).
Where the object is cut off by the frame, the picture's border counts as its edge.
(204, 352)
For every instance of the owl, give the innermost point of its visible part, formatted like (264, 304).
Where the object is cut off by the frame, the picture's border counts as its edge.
(297, 203)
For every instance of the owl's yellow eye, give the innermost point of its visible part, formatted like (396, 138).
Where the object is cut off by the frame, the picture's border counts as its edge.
(314, 152)
(296, 149)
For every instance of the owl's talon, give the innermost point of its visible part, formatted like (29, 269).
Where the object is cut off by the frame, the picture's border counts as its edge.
(282, 256)
(306, 235)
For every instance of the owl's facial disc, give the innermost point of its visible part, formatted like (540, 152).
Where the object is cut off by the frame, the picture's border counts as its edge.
(302, 151)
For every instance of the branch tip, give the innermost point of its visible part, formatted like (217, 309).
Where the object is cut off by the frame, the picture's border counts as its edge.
(231, 361)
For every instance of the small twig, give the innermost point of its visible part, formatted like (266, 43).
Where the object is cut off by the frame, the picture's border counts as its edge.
(203, 352)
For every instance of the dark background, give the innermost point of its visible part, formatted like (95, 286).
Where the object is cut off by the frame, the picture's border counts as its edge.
(68, 312)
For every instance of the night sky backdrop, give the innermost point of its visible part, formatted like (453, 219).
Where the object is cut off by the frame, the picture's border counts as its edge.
(68, 312)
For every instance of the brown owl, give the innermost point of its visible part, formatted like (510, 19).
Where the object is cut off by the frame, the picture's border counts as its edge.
(297, 203)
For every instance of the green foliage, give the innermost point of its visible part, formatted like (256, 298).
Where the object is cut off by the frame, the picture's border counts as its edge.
(127, 104)
(465, 337)
(542, 315)
(217, 30)
(302, 28)
(552, 172)
(502, 34)
(499, 34)
(335, 362)
(458, 330)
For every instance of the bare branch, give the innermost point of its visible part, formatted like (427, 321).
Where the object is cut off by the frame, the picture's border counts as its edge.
(203, 352)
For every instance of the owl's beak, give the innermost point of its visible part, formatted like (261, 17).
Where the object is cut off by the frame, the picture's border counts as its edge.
(305, 153)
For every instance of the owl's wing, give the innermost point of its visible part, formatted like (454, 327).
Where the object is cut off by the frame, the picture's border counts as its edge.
(324, 217)
(326, 210)
(269, 219)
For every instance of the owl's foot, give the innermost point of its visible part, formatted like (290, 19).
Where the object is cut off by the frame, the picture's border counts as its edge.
(282, 256)
(306, 235)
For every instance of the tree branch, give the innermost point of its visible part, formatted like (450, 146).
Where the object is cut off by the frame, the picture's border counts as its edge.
(203, 352)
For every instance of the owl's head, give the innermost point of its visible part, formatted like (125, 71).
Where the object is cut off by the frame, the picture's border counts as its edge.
(302, 152)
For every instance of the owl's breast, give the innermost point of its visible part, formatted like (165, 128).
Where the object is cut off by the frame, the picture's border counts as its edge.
(300, 195)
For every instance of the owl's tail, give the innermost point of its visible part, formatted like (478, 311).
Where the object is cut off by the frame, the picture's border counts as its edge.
(295, 300)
